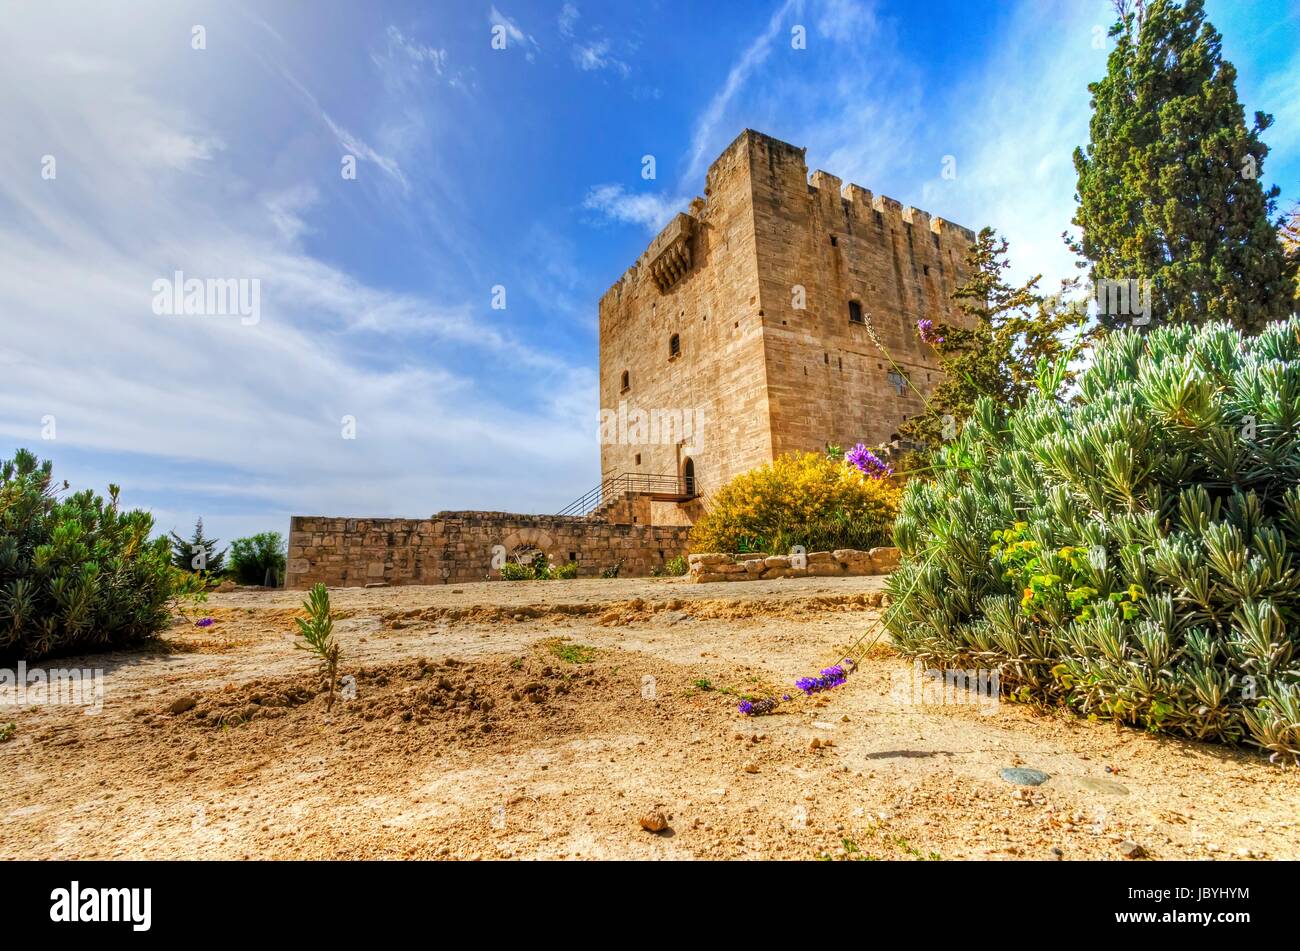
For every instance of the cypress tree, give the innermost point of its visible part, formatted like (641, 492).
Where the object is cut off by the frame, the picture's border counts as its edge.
(1169, 187)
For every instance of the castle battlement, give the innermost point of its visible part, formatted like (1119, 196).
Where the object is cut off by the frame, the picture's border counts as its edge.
(858, 203)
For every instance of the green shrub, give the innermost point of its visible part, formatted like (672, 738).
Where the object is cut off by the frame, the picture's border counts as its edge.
(513, 571)
(76, 574)
(808, 499)
(538, 570)
(672, 568)
(1133, 555)
(251, 560)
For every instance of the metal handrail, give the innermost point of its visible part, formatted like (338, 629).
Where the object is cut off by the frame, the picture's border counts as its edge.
(619, 485)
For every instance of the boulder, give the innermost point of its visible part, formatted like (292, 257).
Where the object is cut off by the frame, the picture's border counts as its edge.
(182, 704)
(884, 560)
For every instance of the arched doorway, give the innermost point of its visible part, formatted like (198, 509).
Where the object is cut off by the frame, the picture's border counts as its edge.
(688, 477)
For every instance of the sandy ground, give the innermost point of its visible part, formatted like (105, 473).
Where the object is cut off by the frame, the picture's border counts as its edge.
(544, 719)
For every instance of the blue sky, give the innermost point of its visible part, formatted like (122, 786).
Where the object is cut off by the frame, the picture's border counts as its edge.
(476, 167)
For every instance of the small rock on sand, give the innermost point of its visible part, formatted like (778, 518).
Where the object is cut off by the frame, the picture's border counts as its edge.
(1023, 776)
(654, 821)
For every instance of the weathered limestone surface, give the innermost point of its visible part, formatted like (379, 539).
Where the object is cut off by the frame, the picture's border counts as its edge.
(770, 376)
(841, 563)
(453, 547)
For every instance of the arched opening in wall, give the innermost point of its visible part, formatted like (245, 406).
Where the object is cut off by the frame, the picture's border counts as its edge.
(527, 555)
(674, 346)
(855, 312)
(627, 382)
(688, 477)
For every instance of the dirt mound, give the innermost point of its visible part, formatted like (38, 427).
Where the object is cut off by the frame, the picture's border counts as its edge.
(633, 610)
(449, 696)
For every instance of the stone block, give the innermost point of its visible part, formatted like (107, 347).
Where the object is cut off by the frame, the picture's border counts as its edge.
(825, 569)
(884, 560)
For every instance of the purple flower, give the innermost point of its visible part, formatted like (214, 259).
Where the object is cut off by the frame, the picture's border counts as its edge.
(830, 678)
(204, 622)
(758, 708)
(925, 327)
(868, 462)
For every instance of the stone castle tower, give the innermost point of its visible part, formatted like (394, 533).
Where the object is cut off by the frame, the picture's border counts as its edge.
(744, 330)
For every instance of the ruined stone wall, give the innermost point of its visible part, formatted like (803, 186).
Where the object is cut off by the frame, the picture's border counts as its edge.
(456, 547)
(769, 376)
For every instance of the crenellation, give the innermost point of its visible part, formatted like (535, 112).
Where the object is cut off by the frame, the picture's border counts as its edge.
(945, 228)
(826, 183)
(859, 199)
(890, 208)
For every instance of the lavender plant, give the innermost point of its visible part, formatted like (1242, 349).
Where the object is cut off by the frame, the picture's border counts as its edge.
(1132, 555)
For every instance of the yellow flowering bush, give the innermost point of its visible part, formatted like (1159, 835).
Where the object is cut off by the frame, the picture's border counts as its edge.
(807, 499)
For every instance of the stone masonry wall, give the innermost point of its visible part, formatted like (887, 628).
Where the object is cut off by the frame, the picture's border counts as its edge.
(828, 381)
(841, 563)
(717, 373)
(456, 547)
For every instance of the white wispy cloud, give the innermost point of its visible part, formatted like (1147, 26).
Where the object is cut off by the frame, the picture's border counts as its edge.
(707, 139)
(405, 63)
(646, 208)
(568, 20)
(595, 54)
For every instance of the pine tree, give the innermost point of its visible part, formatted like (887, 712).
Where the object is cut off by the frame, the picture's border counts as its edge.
(197, 554)
(1169, 188)
(1013, 332)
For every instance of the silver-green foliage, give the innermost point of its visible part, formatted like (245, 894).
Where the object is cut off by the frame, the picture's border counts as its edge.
(1145, 566)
